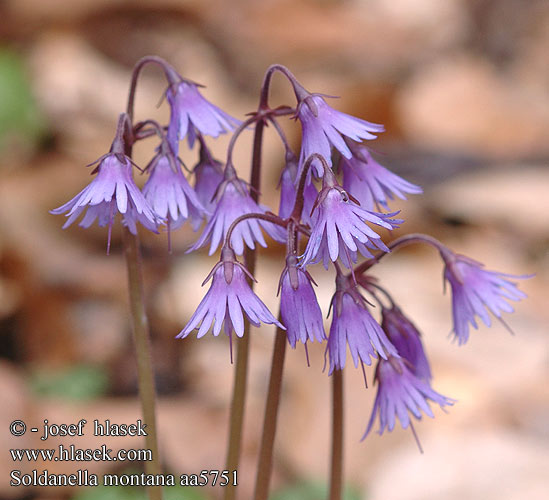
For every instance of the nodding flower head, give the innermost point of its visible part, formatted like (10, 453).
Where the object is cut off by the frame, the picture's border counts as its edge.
(353, 325)
(112, 191)
(407, 340)
(324, 127)
(289, 181)
(208, 174)
(340, 229)
(299, 308)
(476, 292)
(232, 201)
(370, 183)
(190, 111)
(168, 192)
(399, 394)
(229, 295)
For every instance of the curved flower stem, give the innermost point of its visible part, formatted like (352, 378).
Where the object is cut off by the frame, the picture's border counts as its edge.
(264, 466)
(145, 134)
(401, 242)
(299, 200)
(336, 470)
(140, 327)
(257, 118)
(157, 128)
(281, 134)
(236, 134)
(384, 292)
(269, 217)
(169, 71)
(298, 89)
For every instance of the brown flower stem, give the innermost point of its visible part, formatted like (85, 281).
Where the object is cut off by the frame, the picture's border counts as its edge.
(257, 118)
(298, 89)
(139, 65)
(403, 241)
(255, 175)
(336, 472)
(237, 407)
(281, 134)
(243, 348)
(141, 338)
(299, 200)
(238, 401)
(269, 217)
(264, 467)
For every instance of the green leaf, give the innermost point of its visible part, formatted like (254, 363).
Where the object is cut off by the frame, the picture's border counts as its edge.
(111, 493)
(136, 493)
(183, 493)
(139, 493)
(311, 490)
(78, 382)
(19, 115)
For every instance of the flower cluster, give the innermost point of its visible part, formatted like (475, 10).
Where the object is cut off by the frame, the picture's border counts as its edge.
(167, 197)
(334, 207)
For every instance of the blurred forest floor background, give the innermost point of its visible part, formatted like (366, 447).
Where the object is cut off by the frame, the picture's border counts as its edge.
(462, 87)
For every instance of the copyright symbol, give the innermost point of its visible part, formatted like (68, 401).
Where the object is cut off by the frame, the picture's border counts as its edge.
(18, 428)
